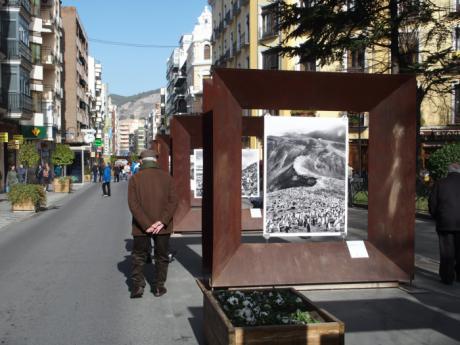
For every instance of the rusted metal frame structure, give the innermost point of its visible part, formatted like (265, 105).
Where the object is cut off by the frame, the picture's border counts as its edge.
(390, 100)
(186, 134)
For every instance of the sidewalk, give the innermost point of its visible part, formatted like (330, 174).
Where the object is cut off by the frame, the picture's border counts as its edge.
(8, 217)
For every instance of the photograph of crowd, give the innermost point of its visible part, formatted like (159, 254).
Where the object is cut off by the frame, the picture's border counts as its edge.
(250, 181)
(198, 172)
(305, 176)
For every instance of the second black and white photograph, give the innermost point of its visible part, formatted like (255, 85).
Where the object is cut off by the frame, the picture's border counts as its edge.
(198, 172)
(305, 174)
(250, 173)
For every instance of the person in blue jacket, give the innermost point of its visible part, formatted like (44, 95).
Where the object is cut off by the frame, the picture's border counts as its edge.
(107, 177)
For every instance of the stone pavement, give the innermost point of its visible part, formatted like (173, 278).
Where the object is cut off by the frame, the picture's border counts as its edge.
(8, 217)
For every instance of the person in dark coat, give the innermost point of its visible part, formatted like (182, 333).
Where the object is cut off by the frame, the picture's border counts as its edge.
(152, 202)
(444, 206)
(94, 170)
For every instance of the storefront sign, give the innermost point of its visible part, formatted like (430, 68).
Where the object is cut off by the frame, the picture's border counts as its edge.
(98, 142)
(3, 137)
(13, 145)
(34, 132)
(19, 138)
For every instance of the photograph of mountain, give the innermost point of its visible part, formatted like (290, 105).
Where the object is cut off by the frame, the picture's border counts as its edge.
(305, 175)
(250, 181)
(250, 173)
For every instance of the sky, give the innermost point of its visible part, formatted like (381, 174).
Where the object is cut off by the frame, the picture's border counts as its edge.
(130, 70)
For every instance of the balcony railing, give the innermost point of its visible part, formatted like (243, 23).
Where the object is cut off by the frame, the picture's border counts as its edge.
(48, 58)
(18, 50)
(18, 103)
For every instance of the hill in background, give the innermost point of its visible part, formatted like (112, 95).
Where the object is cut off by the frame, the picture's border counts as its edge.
(138, 106)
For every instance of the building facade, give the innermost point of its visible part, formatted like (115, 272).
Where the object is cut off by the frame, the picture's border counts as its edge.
(199, 60)
(76, 105)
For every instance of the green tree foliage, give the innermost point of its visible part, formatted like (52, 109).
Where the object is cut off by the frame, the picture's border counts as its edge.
(416, 34)
(62, 155)
(441, 158)
(28, 156)
(21, 193)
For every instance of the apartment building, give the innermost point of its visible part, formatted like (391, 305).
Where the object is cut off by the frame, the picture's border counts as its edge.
(126, 131)
(176, 77)
(199, 60)
(52, 66)
(76, 105)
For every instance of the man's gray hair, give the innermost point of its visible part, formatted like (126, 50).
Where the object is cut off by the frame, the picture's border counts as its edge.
(454, 167)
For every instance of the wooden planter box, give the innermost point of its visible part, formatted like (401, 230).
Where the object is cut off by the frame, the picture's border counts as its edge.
(25, 206)
(59, 187)
(219, 330)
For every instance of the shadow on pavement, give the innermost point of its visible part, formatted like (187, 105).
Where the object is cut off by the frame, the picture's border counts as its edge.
(391, 314)
(196, 322)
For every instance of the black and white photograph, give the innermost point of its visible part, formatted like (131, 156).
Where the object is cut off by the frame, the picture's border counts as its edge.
(198, 172)
(192, 172)
(250, 181)
(250, 173)
(305, 174)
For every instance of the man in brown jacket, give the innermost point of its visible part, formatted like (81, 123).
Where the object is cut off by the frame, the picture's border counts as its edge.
(152, 202)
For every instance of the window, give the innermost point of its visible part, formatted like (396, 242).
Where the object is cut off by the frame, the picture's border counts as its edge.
(23, 31)
(207, 51)
(268, 21)
(356, 60)
(270, 61)
(408, 48)
(36, 101)
(35, 7)
(456, 117)
(308, 65)
(36, 53)
(24, 82)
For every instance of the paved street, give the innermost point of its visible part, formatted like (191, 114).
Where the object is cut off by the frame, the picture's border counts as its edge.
(63, 280)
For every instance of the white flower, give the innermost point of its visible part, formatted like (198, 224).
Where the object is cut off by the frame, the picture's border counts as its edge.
(298, 300)
(232, 300)
(279, 300)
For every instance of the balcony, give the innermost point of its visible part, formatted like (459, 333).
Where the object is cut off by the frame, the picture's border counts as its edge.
(228, 18)
(19, 103)
(244, 40)
(48, 57)
(179, 79)
(48, 20)
(25, 4)
(236, 8)
(18, 50)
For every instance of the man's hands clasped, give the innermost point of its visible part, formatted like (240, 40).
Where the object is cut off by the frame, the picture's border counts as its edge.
(155, 228)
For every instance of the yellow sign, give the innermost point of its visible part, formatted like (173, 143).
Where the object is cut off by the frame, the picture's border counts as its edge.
(36, 131)
(13, 145)
(19, 137)
(3, 137)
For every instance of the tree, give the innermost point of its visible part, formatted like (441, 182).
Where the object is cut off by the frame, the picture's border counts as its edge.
(28, 156)
(441, 158)
(62, 155)
(397, 32)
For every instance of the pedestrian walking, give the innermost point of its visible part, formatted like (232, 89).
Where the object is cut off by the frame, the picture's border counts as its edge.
(127, 171)
(11, 178)
(101, 171)
(21, 174)
(116, 173)
(152, 202)
(107, 177)
(94, 170)
(46, 176)
(444, 206)
(39, 174)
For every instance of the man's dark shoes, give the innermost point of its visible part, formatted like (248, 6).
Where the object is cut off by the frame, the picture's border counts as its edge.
(172, 255)
(137, 292)
(149, 259)
(159, 291)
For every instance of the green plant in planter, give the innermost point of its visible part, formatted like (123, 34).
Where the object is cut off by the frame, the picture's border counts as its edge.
(28, 156)
(63, 179)
(22, 193)
(62, 155)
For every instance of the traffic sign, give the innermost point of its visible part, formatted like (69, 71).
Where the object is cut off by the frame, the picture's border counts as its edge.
(98, 142)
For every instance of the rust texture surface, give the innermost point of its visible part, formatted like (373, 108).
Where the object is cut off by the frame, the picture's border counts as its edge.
(162, 144)
(390, 100)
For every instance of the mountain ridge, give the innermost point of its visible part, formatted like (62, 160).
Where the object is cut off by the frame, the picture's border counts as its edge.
(136, 106)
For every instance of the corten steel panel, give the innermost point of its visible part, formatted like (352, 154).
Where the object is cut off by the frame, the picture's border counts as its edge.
(288, 264)
(226, 175)
(162, 144)
(180, 139)
(392, 177)
(308, 263)
(207, 95)
(207, 206)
